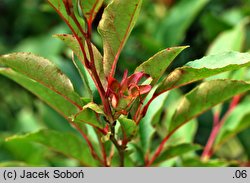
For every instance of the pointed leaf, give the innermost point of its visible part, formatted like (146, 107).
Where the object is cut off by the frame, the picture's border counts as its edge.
(65, 143)
(128, 128)
(57, 102)
(89, 114)
(73, 44)
(203, 68)
(204, 97)
(176, 150)
(117, 22)
(45, 77)
(157, 64)
(90, 8)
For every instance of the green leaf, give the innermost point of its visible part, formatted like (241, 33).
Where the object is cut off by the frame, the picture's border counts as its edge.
(42, 71)
(14, 164)
(31, 154)
(233, 40)
(128, 128)
(176, 150)
(244, 139)
(67, 144)
(163, 118)
(146, 129)
(90, 115)
(57, 102)
(73, 44)
(230, 150)
(146, 132)
(237, 121)
(117, 22)
(90, 8)
(157, 107)
(173, 28)
(50, 118)
(162, 59)
(137, 154)
(230, 40)
(128, 162)
(197, 162)
(204, 97)
(60, 9)
(187, 132)
(203, 68)
(42, 78)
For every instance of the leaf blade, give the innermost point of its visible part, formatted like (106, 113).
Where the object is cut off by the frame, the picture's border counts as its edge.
(203, 68)
(89, 115)
(117, 22)
(73, 44)
(61, 10)
(237, 121)
(204, 97)
(176, 150)
(58, 103)
(44, 72)
(180, 17)
(65, 143)
(163, 59)
(128, 128)
(232, 39)
(41, 69)
(90, 8)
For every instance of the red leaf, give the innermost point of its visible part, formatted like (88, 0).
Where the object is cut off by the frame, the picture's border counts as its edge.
(144, 89)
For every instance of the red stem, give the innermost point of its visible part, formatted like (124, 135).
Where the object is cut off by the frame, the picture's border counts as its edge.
(207, 152)
(96, 76)
(111, 154)
(217, 124)
(160, 148)
(93, 72)
(113, 68)
(141, 113)
(85, 62)
(104, 154)
(96, 80)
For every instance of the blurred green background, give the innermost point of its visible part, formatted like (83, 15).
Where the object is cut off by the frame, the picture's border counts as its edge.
(207, 26)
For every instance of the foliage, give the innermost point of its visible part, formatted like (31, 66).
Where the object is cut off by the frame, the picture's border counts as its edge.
(145, 117)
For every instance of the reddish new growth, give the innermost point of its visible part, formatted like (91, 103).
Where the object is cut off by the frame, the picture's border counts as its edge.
(122, 95)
